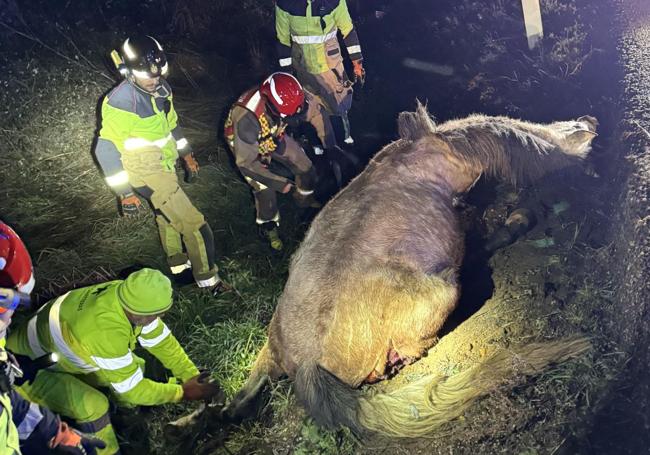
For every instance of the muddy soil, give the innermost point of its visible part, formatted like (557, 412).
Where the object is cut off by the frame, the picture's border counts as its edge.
(581, 269)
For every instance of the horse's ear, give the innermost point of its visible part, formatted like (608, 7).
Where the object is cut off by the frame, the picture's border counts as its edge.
(415, 125)
(592, 122)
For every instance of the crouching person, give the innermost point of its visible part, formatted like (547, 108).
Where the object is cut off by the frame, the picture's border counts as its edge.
(94, 331)
(255, 132)
(26, 427)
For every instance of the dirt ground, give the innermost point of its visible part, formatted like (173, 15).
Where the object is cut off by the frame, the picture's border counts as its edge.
(580, 270)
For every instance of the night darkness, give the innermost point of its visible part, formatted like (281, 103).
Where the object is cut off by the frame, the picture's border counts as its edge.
(549, 267)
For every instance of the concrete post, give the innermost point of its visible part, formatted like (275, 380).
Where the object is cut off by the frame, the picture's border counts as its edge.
(533, 21)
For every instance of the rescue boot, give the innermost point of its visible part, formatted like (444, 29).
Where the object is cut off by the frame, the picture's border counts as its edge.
(269, 231)
(220, 288)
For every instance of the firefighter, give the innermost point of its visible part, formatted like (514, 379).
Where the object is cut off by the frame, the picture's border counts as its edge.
(94, 330)
(138, 145)
(25, 427)
(255, 133)
(307, 40)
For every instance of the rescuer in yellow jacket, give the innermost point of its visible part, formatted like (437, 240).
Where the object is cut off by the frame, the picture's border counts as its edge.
(307, 39)
(137, 149)
(26, 427)
(94, 331)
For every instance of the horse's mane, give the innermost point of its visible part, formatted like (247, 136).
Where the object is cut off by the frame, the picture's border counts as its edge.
(504, 147)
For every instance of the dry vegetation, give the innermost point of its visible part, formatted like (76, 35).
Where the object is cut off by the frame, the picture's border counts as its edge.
(53, 76)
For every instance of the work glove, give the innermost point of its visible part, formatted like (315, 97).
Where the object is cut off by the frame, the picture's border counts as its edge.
(359, 71)
(131, 204)
(71, 441)
(191, 168)
(200, 387)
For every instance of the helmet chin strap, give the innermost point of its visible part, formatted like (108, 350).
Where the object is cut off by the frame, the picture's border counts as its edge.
(159, 92)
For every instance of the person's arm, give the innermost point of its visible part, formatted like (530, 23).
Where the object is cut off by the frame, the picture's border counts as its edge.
(119, 369)
(110, 144)
(246, 150)
(36, 425)
(283, 32)
(159, 341)
(350, 37)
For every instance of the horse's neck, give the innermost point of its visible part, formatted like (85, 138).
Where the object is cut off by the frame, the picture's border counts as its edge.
(457, 174)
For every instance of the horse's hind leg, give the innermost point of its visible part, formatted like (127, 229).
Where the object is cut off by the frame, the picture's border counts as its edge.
(247, 403)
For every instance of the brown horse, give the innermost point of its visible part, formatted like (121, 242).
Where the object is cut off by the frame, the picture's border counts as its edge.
(377, 274)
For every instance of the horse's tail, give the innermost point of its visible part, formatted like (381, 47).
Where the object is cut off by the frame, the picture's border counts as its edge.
(419, 408)
(328, 400)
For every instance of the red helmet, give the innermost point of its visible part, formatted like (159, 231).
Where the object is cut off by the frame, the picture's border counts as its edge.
(15, 264)
(284, 92)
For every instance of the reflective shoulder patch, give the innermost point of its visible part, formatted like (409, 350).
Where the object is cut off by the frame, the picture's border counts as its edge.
(128, 98)
(123, 97)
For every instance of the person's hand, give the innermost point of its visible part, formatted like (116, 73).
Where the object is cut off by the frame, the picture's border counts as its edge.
(359, 71)
(191, 168)
(131, 204)
(287, 188)
(200, 387)
(69, 440)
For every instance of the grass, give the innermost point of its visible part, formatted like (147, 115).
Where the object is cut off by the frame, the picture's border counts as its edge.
(53, 194)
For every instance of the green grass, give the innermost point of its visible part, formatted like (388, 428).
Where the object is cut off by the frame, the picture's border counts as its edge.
(53, 194)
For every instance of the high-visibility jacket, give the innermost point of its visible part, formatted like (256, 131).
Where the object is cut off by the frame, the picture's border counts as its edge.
(310, 27)
(139, 135)
(90, 332)
(9, 443)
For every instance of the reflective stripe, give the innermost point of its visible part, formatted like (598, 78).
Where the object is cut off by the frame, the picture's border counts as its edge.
(354, 49)
(285, 61)
(304, 192)
(32, 338)
(275, 219)
(181, 143)
(121, 178)
(207, 283)
(151, 342)
(115, 363)
(130, 53)
(151, 326)
(28, 287)
(276, 96)
(176, 269)
(252, 103)
(141, 74)
(134, 143)
(130, 383)
(314, 39)
(260, 186)
(30, 421)
(59, 341)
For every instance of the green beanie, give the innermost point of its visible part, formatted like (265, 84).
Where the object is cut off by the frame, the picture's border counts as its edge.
(145, 292)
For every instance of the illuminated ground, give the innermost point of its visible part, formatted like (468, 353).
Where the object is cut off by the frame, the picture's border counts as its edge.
(52, 193)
